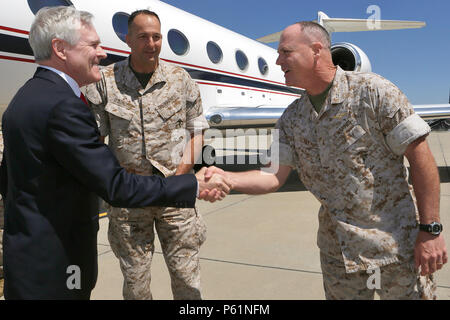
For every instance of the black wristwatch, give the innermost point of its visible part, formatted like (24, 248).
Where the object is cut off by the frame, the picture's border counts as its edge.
(435, 228)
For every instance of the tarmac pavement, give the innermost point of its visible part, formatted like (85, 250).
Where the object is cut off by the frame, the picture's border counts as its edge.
(262, 247)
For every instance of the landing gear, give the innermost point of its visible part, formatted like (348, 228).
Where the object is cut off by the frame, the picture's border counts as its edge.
(446, 124)
(441, 124)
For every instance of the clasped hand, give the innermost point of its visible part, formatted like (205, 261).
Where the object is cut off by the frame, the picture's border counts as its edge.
(213, 184)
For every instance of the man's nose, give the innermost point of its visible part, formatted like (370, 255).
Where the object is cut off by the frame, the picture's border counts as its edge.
(278, 62)
(151, 42)
(101, 53)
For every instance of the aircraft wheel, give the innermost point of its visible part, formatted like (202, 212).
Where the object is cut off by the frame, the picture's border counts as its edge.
(208, 155)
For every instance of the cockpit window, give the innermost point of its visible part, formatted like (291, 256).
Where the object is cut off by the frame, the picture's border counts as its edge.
(263, 67)
(120, 24)
(214, 52)
(241, 60)
(36, 5)
(178, 42)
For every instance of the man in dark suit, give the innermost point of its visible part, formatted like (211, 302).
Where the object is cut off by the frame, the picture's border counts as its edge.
(54, 167)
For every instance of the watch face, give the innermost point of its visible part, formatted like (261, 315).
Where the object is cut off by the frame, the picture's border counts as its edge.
(436, 228)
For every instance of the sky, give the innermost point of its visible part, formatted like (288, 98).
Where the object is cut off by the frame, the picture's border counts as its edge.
(416, 60)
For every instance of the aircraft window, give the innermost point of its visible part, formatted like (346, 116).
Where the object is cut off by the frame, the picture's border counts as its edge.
(263, 67)
(36, 5)
(178, 42)
(214, 52)
(241, 60)
(120, 24)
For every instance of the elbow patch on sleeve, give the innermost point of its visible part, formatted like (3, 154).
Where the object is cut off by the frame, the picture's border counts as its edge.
(197, 124)
(406, 132)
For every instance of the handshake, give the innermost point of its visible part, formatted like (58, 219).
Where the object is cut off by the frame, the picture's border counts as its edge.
(214, 183)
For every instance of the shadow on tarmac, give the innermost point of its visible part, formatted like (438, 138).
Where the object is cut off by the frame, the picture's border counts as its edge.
(293, 183)
(230, 163)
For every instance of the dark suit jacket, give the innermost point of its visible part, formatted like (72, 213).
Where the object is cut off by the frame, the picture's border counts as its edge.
(53, 168)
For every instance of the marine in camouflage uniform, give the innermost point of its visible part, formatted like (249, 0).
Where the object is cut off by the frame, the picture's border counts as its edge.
(147, 129)
(347, 136)
(350, 156)
(2, 212)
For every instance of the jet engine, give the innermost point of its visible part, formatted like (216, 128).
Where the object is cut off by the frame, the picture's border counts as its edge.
(350, 58)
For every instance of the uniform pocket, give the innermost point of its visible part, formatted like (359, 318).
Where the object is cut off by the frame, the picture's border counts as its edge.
(352, 154)
(172, 114)
(353, 135)
(120, 120)
(201, 227)
(119, 112)
(168, 108)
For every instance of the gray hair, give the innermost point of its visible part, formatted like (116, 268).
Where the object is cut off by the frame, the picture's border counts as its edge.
(316, 32)
(59, 22)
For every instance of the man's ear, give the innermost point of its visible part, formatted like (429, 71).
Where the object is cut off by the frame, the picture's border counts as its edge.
(59, 48)
(127, 40)
(316, 47)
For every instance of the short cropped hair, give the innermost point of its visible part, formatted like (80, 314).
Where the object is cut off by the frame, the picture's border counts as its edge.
(316, 32)
(61, 22)
(138, 12)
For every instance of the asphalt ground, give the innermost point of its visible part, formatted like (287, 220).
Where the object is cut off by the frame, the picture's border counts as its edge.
(261, 247)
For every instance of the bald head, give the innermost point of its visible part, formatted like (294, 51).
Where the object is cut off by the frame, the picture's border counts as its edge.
(312, 32)
(304, 56)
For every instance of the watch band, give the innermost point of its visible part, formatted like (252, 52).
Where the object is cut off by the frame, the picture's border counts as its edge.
(434, 228)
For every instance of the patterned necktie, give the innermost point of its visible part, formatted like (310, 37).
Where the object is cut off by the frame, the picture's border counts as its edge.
(82, 97)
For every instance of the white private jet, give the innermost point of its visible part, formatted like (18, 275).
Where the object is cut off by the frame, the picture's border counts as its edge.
(240, 84)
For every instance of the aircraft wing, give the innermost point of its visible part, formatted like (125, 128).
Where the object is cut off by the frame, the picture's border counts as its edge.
(274, 37)
(267, 116)
(433, 111)
(352, 25)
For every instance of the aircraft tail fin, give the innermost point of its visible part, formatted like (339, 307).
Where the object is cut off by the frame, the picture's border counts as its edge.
(352, 25)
